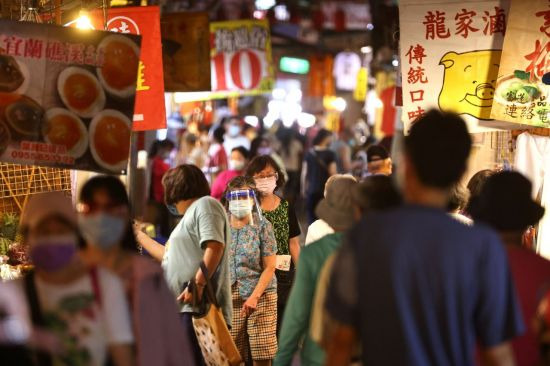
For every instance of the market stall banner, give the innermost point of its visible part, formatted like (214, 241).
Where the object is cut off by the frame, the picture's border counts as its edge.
(522, 88)
(186, 51)
(241, 57)
(450, 56)
(66, 96)
(149, 113)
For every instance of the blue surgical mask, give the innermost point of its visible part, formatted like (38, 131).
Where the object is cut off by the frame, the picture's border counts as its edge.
(234, 131)
(102, 229)
(173, 210)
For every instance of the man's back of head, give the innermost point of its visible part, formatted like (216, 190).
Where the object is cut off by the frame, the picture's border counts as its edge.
(438, 147)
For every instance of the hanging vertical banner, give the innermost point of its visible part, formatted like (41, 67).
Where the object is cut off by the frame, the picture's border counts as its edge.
(149, 113)
(450, 56)
(186, 51)
(523, 85)
(241, 57)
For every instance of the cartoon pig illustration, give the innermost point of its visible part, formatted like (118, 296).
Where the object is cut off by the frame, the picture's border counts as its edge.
(469, 82)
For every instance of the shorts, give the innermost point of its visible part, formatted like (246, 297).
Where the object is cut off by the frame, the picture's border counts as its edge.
(258, 330)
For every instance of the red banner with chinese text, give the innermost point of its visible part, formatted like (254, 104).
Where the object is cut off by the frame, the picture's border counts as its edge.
(149, 113)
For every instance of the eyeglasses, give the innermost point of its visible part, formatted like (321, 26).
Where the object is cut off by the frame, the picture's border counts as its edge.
(266, 176)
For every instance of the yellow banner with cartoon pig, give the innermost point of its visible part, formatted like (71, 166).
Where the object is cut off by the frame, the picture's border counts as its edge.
(450, 57)
(523, 84)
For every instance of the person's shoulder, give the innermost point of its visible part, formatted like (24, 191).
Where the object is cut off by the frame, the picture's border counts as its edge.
(211, 204)
(320, 245)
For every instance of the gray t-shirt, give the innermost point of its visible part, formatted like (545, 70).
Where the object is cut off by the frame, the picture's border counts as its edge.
(205, 220)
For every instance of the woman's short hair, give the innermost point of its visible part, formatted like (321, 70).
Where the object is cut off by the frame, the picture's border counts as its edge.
(261, 162)
(321, 136)
(183, 183)
(243, 151)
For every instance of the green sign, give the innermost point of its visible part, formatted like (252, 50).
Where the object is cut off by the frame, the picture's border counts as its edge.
(294, 65)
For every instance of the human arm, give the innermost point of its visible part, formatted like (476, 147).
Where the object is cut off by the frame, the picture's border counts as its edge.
(294, 232)
(122, 355)
(213, 254)
(294, 247)
(500, 355)
(341, 346)
(497, 317)
(265, 278)
(154, 248)
(345, 154)
(297, 314)
(117, 318)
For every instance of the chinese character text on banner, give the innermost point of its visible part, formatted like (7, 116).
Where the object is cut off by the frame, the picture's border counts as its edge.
(68, 98)
(523, 85)
(149, 113)
(450, 54)
(241, 57)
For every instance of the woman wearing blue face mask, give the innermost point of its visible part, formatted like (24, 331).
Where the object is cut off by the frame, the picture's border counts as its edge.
(104, 220)
(252, 266)
(85, 308)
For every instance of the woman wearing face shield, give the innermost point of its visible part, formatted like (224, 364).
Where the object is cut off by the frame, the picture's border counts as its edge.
(85, 308)
(104, 220)
(252, 267)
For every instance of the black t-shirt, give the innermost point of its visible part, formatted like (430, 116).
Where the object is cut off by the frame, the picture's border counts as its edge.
(318, 162)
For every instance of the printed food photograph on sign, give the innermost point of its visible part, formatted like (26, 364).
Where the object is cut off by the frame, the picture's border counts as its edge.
(523, 84)
(66, 96)
(450, 57)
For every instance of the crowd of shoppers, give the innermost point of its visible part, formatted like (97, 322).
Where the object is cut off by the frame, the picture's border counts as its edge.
(403, 265)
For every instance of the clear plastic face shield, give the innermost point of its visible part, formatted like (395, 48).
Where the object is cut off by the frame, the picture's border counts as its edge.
(243, 207)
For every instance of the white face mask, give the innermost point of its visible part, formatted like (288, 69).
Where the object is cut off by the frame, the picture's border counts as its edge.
(236, 164)
(240, 208)
(266, 185)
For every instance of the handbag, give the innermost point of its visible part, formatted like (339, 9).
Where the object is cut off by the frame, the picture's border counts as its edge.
(215, 341)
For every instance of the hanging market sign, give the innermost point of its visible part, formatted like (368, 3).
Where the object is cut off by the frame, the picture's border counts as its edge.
(66, 96)
(149, 113)
(450, 57)
(241, 57)
(186, 51)
(522, 88)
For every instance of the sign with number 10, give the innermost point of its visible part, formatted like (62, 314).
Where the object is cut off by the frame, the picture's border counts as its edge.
(241, 57)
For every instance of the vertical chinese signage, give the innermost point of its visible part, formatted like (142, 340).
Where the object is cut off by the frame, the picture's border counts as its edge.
(66, 96)
(186, 51)
(523, 89)
(149, 113)
(241, 57)
(450, 56)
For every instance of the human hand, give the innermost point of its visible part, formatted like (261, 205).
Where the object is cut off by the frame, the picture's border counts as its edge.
(187, 296)
(250, 306)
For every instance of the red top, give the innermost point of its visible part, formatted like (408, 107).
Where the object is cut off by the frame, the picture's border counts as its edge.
(157, 172)
(531, 273)
(218, 159)
(221, 182)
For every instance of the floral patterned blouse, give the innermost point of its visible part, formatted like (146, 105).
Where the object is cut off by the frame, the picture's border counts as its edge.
(249, 245)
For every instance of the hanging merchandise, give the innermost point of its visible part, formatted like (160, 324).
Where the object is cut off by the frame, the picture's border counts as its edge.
(532, 158)
(360, 93)
(523, 84)
(388, 113)
(67, 100)
(450, 55)
(321, 82)
(346, 67)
